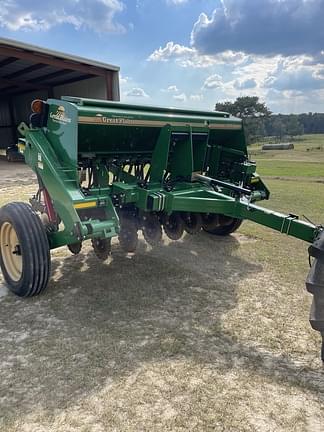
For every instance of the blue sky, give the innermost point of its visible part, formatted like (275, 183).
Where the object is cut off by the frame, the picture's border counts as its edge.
(188, 53)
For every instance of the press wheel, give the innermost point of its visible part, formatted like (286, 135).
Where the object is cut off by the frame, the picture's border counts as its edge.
(152, 230)
(75, 248)
(224, 225)
(128, 237)
(101, 247)
(173, 226)
(192, 222)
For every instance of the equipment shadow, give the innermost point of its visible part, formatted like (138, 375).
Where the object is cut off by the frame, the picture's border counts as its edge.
(100, 321)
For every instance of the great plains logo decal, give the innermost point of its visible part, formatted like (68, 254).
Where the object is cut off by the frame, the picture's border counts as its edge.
(115, 120)
(59, 116)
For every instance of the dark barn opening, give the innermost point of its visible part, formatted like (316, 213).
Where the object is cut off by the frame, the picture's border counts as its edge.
(29, 72)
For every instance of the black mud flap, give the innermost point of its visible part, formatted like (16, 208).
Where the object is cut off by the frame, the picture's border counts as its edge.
(315, 285)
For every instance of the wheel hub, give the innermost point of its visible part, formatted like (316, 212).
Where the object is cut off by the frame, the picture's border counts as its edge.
(11, 251)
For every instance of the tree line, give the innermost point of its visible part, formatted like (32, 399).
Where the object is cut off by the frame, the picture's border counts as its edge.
(260, 122)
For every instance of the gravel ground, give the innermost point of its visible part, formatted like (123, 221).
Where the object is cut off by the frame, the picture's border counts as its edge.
(203, 334)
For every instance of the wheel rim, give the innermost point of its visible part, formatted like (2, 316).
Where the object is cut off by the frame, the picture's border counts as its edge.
(11, 251)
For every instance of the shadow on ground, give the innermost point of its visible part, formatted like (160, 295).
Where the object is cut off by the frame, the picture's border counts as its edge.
(99, 321)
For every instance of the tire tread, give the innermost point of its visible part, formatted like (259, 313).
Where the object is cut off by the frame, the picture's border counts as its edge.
(34, 244)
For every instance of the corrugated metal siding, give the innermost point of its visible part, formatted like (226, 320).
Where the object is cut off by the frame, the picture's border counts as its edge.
(22, 104)
(4, 113)
(21, 111)
(94, 88)
(6, 137)
(30, 66)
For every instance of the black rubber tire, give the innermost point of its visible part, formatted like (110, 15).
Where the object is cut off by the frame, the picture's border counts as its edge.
(75, 248)
(101, 247)
(34, 249)
(152, 230)
(227, 225)
(173, 226)
(128, 237)
(192, 222)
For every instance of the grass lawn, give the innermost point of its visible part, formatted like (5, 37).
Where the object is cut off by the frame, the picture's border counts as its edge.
(286, 168)
(306, 161)
(294, 178)
(308, 148)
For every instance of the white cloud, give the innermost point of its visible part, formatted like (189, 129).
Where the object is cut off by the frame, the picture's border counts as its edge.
(250, 77)
(189, 57)
(196, 97)
(245, 84)
(292, 101)
(170, 89)
(238, 69)
(169, 52)
(176, 2)
(213, 82)
(123, 80)
(236, 74)
(180, 98)
(137, 92)
(287, 27)
(300, 79)
(173, 88)
(96, 15)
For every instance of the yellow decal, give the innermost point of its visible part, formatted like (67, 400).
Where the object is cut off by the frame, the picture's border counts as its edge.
(255, 179)
(83, 205)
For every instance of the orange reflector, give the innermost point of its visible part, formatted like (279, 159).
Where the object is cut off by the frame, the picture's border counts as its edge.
(37, 106)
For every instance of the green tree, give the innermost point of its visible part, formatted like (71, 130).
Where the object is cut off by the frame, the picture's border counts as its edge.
(245, 106)
(294, 127)
(279, 127)
(251, 110)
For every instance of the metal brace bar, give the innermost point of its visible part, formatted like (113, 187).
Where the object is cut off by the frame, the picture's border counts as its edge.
(289, 218)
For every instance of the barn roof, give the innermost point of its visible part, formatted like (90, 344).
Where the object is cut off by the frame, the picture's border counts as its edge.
(25, 67)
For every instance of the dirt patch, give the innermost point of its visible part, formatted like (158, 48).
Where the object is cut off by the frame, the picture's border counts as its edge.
(15, 173)
(200, 334)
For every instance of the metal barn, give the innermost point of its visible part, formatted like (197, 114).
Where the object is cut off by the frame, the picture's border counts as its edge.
(28, 72)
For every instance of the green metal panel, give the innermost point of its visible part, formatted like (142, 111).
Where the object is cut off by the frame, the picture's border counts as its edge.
(160, 155)
(62, 134)
(118, 106)
(181, 161)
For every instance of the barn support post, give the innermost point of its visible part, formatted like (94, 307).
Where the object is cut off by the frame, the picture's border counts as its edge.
(12, 121)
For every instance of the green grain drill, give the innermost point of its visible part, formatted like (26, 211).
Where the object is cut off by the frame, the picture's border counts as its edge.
(108, 169)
